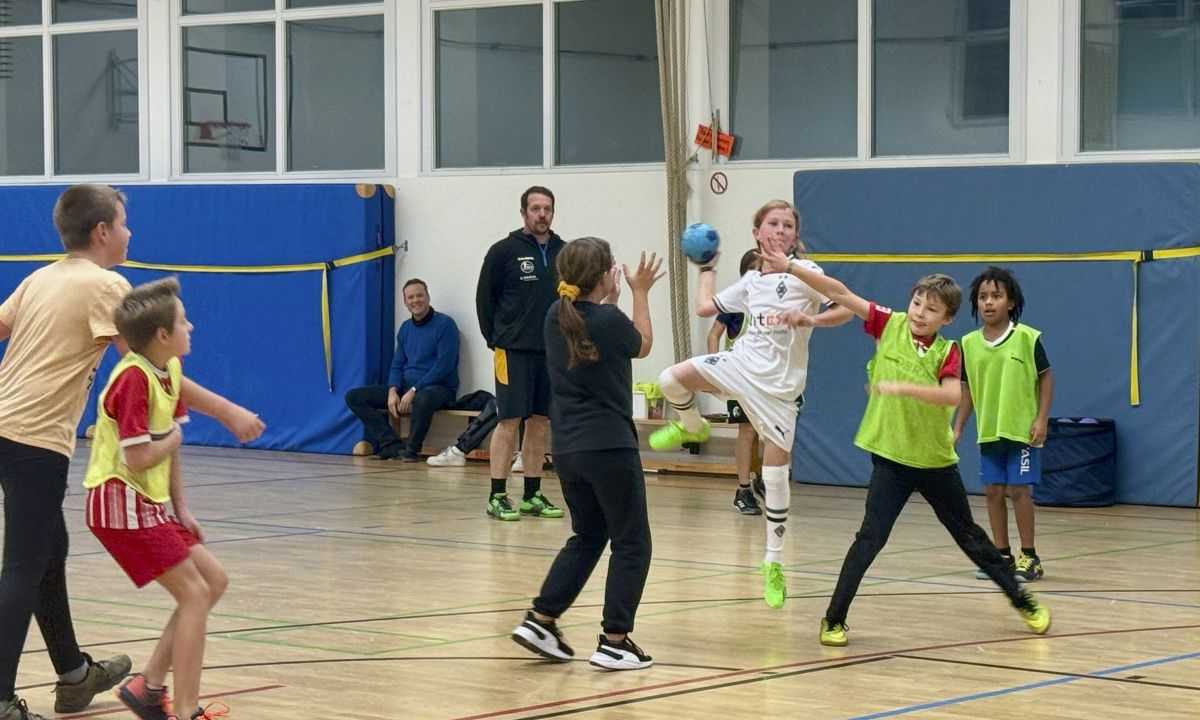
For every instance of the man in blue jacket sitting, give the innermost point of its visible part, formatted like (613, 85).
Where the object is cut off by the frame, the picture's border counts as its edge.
(423, 379)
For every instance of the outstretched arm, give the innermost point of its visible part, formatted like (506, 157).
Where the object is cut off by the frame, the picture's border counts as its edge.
(245, 425)
(774, 260)
(949, 392)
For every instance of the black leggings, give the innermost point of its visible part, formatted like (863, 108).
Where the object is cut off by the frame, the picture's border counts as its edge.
(605, 491)
(33, 582)
(891, 485)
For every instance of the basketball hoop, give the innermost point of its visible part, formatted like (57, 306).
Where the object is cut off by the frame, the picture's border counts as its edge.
(232, 136)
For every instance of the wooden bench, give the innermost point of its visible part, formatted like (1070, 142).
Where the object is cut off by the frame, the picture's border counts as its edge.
(649, 463)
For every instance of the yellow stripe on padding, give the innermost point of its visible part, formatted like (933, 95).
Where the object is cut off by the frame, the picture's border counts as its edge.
(1133, 257)
(322, 267)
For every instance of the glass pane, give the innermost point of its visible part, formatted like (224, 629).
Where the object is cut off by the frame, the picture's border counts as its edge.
(489, 87)
(335, 94)
(319, 3)
(20, 12)
(21, 143)
(204, 7)
(794, 78)
(608, 102)
(941, 77)
(229, 98)
(96, 103)
(82, 10)
(1140, 75)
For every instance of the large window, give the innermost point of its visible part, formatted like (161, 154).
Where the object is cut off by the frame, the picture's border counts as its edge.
(1140, 75)
(490, 94)
(489, 86)
(812, 79)
(93, 110)
(275, 89)
(608, 108)
(793, 78)
(940, 77)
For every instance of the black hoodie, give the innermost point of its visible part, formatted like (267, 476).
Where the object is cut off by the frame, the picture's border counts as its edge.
(517, 285)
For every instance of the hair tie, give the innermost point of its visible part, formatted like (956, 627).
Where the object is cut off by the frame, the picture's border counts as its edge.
(567, 290)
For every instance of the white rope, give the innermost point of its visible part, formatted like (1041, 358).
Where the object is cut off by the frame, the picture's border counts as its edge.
(671, 27)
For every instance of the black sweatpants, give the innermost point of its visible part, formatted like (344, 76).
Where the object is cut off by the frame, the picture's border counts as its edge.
(605, 491)
(33, 582)
(891, 485)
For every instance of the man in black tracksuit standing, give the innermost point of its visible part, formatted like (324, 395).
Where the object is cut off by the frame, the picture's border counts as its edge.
(517, 285)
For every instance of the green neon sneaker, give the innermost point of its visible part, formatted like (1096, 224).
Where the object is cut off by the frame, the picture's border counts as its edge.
(540, 506)
(774, 585)
(833, 634)
(500, 507)
(673, 435)
(1035, 615)
(1029, 568)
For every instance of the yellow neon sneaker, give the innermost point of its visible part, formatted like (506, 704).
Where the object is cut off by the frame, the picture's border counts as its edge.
(833, 634)
(673, 435)
(774, 585)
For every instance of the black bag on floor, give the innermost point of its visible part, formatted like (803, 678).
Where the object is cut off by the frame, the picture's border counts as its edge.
(1079, 463)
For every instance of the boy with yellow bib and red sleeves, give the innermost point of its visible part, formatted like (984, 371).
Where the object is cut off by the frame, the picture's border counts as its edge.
(914, 384)
(133, 472)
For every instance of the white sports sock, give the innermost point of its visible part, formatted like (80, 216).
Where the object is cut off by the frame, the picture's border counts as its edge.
(682, 399)
(775, 509)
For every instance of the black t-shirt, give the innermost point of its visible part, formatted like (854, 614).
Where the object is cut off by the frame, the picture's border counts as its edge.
(592, 403)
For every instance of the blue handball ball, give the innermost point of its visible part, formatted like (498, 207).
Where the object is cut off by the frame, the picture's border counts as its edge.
(700, 242)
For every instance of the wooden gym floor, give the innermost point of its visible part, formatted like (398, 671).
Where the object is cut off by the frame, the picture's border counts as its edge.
(367, 589)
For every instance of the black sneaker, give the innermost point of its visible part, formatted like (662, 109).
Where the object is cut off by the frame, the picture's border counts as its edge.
(542, 638)
(745, 503)
(625, 655)
(759, 488)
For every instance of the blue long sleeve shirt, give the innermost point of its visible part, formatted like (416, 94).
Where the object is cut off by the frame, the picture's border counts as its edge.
(426, 354)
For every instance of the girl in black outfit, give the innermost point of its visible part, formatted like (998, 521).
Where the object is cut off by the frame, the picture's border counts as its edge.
(589, 347)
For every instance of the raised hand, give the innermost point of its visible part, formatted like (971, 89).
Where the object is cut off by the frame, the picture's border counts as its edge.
(614, 278)
(773, 253)
(646, 274)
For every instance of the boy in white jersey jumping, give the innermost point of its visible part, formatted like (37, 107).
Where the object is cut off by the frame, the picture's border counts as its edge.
(765, 371)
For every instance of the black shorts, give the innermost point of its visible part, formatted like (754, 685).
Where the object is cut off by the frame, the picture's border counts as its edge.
(522, 384)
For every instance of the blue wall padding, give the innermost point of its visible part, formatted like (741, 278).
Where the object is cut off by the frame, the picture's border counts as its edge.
(257, 337)
(1083, 308)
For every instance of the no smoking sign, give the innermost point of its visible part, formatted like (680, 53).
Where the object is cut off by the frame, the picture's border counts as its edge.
(718, 183)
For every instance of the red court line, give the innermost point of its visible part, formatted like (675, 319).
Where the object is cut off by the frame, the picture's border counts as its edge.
(801, 663)
(123, 709)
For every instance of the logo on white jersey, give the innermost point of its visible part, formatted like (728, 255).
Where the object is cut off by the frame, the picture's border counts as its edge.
(781, 289)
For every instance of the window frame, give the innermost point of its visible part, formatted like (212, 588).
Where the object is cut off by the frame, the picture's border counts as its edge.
(1071, 112)
(48, 31)
(279, 17)
(549, 98)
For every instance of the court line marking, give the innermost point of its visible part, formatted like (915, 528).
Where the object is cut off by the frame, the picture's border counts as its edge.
(689, 691)
(816, 661)
(122, 709)
(1041, 671)
(960, 699)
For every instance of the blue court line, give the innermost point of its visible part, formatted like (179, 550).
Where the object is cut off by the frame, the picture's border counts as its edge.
(1021, 688)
